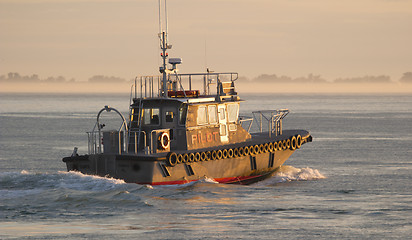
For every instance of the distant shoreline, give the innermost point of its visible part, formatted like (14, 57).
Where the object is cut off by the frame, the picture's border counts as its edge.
(241, 87)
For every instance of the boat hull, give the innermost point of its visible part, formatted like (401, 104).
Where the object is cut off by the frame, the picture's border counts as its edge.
(155, 169)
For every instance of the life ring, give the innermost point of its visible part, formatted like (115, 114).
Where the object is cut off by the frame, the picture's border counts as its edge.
(172, 159)
(164, 141)
(293, 143)
(298, 141)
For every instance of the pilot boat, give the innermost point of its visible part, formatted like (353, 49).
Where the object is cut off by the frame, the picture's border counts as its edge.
(176, 134)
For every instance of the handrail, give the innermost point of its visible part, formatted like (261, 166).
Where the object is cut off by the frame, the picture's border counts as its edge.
(273, 118)
(136, 141)
(93, 148)
(175, 81)
(244, 119)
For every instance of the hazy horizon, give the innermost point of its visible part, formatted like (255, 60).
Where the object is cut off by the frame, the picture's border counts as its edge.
(81, 38)
(242, 87)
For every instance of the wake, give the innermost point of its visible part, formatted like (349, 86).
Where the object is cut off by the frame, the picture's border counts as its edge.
(290, 174)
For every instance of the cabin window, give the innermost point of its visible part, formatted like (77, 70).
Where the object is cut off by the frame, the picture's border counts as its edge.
(201, 115)
(151, 116)
(182, 114)
(132, 115)
(222, 130)
(169, 116)
(212, 114)
(232, 112)
(222, 114)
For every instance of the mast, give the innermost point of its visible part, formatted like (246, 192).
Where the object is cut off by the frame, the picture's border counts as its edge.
(163, 46)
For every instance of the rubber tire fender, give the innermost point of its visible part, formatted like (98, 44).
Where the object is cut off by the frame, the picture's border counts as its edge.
(219, 154)
(230, 153)
(280, 145)
(224, 153)
(270, 147)
(298, 141)
(197, 156)
(203, 156)
(266, 147)
(185, 158)
(293, 143)
(180, 158)
(246, 151)
(236, 152)
(214, 155)
(191, 157)
(284, 144)
(171, 159)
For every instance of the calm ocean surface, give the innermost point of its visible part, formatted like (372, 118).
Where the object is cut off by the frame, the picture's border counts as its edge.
(353, 181)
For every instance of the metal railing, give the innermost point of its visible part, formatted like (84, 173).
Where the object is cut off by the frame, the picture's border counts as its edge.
(93, 146)
(95, 136)
(151, 86)
(136, 138)
(269, 119)
(243, 120)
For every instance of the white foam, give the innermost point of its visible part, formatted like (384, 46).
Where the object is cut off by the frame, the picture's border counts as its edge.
(208, 180)
(289, 173)
(23, 183)
(79, 181)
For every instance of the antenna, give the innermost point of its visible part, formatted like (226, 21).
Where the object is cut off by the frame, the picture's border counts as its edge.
(160, 18)
(163, 46)
(167, 26)
(206, 55)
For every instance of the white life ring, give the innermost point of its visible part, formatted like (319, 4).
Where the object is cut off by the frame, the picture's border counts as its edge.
(164, 140)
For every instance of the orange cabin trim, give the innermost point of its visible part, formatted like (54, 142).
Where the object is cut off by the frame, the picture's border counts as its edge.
(181, 94)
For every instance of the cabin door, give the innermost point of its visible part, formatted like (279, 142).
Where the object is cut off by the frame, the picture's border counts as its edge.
(223, 123)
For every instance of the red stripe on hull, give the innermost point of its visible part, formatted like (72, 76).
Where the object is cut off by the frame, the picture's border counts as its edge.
(230, 180)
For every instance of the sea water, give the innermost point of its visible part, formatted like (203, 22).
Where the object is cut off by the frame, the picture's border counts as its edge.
(352, 181)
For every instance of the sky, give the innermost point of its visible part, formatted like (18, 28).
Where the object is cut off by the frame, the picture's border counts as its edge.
(332, 38)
